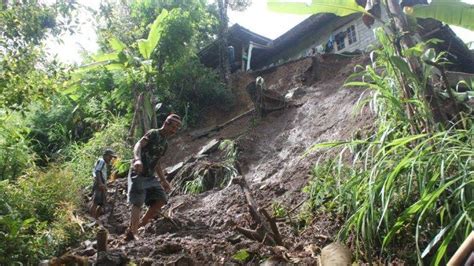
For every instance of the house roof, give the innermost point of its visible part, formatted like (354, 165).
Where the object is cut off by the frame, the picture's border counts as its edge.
(459, 55)
(458, 52)
(209, 55)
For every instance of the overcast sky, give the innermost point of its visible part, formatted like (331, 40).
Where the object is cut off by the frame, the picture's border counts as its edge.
(255, 18)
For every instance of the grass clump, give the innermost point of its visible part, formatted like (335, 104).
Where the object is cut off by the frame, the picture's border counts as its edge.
(206, 175)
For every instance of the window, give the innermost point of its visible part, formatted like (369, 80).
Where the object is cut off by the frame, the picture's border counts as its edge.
(351, 34)
(340, 40)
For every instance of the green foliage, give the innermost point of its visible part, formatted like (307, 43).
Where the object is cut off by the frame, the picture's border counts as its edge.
(165, 64)
(279, 211)
(324, 187)
(82, 156)
(194, 186)
(130, 20)
(452, 12)
(30, 21)
(188, 84)
(38, 211)
(50, 131)
(242, 256)
(147, 46)
(36, 216)
(338, 7)
(401, 188)
(15, 152)
(25, 74)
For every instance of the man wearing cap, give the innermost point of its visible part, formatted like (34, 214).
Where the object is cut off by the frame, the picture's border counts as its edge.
(149, 186)
(100, 173)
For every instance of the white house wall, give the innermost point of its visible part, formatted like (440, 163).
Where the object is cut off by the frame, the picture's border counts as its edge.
(365, 37)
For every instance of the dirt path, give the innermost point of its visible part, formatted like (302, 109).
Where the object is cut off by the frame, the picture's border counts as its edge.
(271, 156)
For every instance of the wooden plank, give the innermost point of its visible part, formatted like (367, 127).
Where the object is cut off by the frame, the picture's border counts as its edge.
(205, 132)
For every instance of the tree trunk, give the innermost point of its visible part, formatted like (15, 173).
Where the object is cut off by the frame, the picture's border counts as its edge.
(135, 120)
(406, 41)
(224, 67)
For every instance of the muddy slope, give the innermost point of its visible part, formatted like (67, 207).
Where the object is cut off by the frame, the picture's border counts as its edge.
(271, 150)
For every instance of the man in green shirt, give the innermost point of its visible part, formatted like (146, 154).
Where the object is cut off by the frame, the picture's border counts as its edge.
(145, 188)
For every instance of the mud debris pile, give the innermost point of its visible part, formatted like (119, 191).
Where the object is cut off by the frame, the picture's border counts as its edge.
(199, 226)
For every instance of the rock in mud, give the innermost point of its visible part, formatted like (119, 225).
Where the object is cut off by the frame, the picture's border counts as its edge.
(336, 254)
(274, 261)
(146, 262)
(163, 226)
(90, 251)
(182, 261)
(173, 170)
(169, 248)
(295, 93)
(112, 257)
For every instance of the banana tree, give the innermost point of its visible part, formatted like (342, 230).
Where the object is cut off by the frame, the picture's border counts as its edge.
(453, 12)
(133, 60)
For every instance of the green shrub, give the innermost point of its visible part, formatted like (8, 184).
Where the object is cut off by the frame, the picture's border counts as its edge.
(15, 152)
(190, 88)
(279, 210)
(51, 130)
(80, 157)
(37, 217)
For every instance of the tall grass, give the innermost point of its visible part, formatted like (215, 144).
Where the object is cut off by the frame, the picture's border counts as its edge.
(401, 190)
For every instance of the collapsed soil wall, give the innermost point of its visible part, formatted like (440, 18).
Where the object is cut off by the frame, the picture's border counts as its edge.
(271, 157)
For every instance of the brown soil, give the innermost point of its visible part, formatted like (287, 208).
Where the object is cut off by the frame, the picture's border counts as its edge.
(272, 161)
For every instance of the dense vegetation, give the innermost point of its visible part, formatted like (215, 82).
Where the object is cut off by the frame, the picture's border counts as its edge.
(56, 119)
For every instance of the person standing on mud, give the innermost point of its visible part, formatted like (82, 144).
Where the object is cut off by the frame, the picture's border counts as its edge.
(101, 172)
(144, 188)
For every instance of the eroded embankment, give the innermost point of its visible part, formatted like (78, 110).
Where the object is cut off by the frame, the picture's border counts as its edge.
(271, 159)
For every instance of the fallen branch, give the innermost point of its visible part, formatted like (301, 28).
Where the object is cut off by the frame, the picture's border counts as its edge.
(169, 219)
(266, 230)
(206, 132)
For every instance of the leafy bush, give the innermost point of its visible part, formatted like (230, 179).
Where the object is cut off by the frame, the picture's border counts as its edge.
(51, 131)
(37, 217)
(38, 211)
(15, 152)
(190, 84)
(279, 210)
(80, 157)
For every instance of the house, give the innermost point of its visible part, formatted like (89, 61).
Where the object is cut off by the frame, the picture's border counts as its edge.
(239, 39)
(323, 33)
(328, 33)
